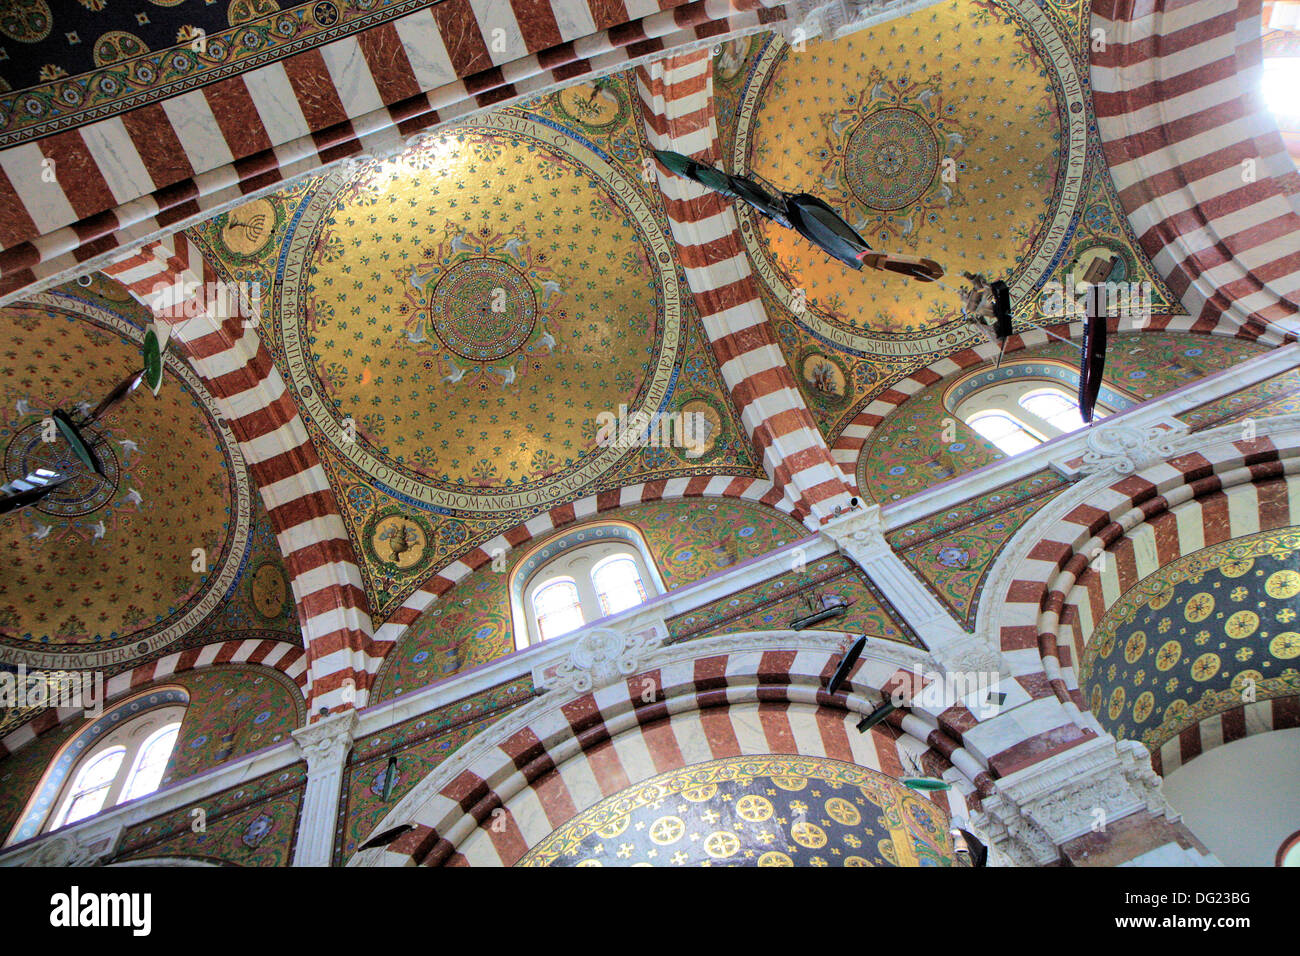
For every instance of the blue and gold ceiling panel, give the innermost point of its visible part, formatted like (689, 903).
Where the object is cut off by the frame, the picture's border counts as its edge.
(1209, 632)
(767, 810)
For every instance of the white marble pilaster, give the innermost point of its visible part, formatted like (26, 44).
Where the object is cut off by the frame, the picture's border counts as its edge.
(325, 745)
(860, 536)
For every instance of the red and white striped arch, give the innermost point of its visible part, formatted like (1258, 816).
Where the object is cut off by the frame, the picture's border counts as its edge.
(1044, 617)
(555, 758)
(164, 162)
(289, 659)
(234, 364)
(848, 445)
(1198, 161)
(716, 486)
(1229, 726)
(677, 107)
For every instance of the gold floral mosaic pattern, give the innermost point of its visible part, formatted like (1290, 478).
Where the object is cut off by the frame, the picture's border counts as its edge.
(474, 306)
(119, 559)
(873, 121)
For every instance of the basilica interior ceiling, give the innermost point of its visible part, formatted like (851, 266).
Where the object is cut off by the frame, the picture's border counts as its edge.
(450, 322)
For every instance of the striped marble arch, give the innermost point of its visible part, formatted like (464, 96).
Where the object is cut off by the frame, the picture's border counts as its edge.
(230, 357)
(1201, 170)
(162, 162)
(677, 107)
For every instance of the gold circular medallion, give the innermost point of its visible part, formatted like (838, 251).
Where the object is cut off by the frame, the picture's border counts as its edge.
(268, 590)
(1283, 584)
(398, 541)
(1169, 654)
(701, 428)
(754, 808)
(842, 811)
(667, 830)
(791, 783)
(1160, 600)
(1285, 645)
(808, 834)
(1199, 607)
(1205, 666)
(1143, 706)
(1134, 646)
(1241, 624)
(590, 103)
(721, 844)
(775, 858)
(856, 861)
(249, 227)
(1236, 567)
(1117, 697)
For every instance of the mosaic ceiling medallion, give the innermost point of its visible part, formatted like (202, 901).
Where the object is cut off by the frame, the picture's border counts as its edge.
(975, 161)
(484, 308)
(111, 568)
(1208, 633)
(891, 159)
(454, 320)
(755, 811)
(597, 105)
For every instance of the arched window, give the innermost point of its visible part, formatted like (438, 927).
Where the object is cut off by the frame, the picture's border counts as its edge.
(581, 576)
(1020, 413)
(1004, 431)
(91, 785)
(121, 756)
(1054, 407)
(151, 762)
(558, 608)
(618, 584)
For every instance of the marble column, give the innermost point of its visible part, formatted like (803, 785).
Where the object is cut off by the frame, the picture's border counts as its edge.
(325, 745)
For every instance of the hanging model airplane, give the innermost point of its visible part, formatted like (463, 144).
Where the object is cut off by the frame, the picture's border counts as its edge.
(987, 306)
(42, 481)
(846, 664)
(1092, 354)
(805, 214)
(921, 780)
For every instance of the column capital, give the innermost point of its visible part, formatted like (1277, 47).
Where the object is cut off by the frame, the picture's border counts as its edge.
(328, 741)
(859, 530)
(325, 746)
(1036, 810)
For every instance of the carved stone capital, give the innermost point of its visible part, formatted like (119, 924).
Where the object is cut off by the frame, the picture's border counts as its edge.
(964, 653)
(858, 531)
(1036, 810)
(326, 743)
(1125, 449)
(597, 658)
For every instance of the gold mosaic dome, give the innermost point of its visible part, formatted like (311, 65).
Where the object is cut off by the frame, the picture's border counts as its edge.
(936, 135)
(109, 568)
(467, 310)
